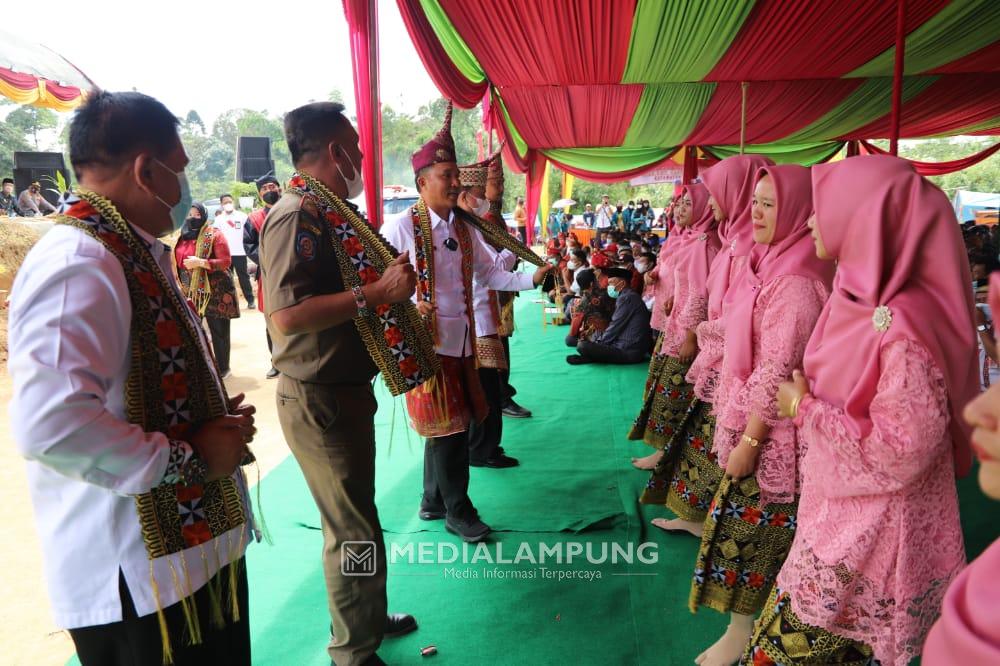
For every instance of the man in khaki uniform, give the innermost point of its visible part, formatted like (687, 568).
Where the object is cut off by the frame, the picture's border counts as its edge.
(326, 405)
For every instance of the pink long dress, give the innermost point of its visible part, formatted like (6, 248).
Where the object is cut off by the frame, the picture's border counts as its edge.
(879, 538)
(783, 319)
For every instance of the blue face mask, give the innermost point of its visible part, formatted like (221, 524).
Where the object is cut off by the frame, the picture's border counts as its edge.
(613, 291)
(179, 211)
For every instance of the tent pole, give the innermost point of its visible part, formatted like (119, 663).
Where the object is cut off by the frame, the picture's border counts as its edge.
(376, 107)
(743, 115)
(897, 77)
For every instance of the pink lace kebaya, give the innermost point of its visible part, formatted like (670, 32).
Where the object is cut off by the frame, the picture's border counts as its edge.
(890, 366)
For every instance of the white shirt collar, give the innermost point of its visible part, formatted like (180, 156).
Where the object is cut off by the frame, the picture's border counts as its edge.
(436, 219)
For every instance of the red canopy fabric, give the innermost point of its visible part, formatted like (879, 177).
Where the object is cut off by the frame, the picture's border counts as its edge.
(783, 39)
(936, 168)
(569, 116)
(946, 107)
(768, 117)
(362, 19)
(526, 42)
(460, 90)
(652, 77)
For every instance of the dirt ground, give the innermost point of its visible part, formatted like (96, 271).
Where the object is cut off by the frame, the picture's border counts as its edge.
(27, 634)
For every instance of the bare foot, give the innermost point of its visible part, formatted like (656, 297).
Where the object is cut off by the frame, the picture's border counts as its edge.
(678, 525)
(649, 462)
(730, 647)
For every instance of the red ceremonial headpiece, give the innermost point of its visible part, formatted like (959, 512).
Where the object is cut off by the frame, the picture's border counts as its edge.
(441, 147)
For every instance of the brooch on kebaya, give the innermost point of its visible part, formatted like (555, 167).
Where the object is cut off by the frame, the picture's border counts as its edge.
(882, 318)
(703, 237)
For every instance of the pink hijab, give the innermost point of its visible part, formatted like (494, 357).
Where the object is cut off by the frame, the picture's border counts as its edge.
(697, 244)
(731, 182)
(791, 252)
(898, 245)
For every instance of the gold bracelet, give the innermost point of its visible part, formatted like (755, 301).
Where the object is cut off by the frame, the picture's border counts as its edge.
(794, 409)
(754, 443)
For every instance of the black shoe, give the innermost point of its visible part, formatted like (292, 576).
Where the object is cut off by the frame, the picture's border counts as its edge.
(576, 359)
(396, 625)
(251, 305)
(272, 373)
(470, 530)
(515, 411)
(432, 512)
(399, 624)
(500, 461)
(373, 660)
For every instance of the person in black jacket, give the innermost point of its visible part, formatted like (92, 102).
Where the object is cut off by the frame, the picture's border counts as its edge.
(626, 339)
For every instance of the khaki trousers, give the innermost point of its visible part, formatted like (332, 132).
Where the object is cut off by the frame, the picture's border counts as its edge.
(331, 432)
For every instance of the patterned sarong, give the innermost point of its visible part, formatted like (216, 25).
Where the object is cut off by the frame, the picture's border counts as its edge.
(742, 549)
(666, 400)
(780, 638)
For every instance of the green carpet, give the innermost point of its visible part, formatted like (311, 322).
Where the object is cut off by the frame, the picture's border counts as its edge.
(575, 484)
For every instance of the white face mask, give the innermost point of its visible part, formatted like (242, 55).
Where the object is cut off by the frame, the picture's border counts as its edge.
(573, 265)
(481, 206)
(229, 207)
(642, 267)
(355, 185)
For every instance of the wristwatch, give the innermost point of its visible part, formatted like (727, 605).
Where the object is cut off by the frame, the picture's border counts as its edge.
(360, 301)
(194, 472)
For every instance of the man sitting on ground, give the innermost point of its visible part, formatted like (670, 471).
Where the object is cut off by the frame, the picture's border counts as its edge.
(626, 339)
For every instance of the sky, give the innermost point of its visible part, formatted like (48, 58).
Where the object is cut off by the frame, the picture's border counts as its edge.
(215, 55)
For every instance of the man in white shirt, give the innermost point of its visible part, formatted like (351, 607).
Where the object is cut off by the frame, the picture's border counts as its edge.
(485, 437)
(231, 222)
(133, 447)
(448, 255)
(604, 213)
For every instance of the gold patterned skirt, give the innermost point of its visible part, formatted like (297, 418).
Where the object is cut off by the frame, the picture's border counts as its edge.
(742, 549)
(780, 638)
(686, 478)
(665, 400)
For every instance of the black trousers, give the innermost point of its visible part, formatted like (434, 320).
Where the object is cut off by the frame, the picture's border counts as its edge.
(506, 390)
(607, 354)
(484, 438)
(219, 328)
(446, 475)
(240, 266)
(136, 641)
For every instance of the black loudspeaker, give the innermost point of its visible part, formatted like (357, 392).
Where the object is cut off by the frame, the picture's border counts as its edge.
(41, 168)
(253, 158)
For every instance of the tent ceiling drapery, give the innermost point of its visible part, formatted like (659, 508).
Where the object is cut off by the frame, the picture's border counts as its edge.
(613, 87)
(32, 74)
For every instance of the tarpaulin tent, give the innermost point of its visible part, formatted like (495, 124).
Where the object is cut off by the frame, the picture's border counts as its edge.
(968, 202)
(34, 75)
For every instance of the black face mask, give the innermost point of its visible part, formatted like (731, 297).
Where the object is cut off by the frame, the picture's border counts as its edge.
(192, 226)
(271, 197)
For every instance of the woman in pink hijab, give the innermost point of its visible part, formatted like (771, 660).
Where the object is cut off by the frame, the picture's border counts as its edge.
(878, 410)
(771, 309)
(664, 419)
(968, 631)
(730, 184)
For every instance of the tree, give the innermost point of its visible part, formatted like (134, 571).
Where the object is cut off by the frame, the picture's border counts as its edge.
(193, 123)
(11, 140)
(30, 120)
